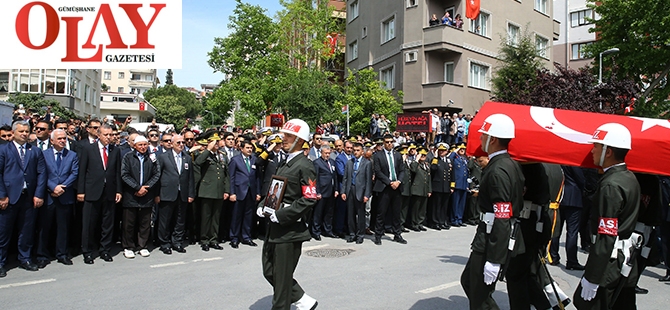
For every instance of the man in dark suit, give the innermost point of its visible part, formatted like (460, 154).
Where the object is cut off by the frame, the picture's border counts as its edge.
(326, 192)
(340, 212)
(42, 131)
(99, 187)
(69, 142)
(356, 190)
(91, 135)
(22, 191)
(62, 168)
(154, 141)
(176, 173)
(315, 150)
(244, 187)
(571, 209)
(388, 170)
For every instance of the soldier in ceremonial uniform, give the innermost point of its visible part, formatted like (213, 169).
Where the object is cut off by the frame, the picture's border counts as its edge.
(421, 188)
(500, 200)
(441, 178)
(460, 174)
(287, 229)
(475, 166)
(613, 219)
(406, 190)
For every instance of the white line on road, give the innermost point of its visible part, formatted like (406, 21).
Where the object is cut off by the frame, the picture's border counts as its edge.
(27, 283)
(211, 259)
(439, 287)
(167, 265)
(314, 247)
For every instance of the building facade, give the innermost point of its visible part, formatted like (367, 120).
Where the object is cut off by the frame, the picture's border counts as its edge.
(441, 66)
(133, 81)
(574, 18)
(76, 89)
(118, 106)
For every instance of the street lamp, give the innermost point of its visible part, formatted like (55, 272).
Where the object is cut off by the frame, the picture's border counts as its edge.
(600, 67)
(210, 112)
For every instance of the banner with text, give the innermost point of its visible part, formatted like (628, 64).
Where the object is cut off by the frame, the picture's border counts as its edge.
(413, 122)
(92, 34)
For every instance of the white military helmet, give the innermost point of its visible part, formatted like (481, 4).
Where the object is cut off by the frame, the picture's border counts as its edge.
(613, 135)
(296, 127)
(499, 126)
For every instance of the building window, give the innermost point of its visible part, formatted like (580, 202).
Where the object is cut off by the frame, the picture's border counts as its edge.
(412, 3)
(87, 93)
(541, 6)
(120, 90)
(386, 76)
(122, 75)
(480, 24)
(580, 18)
(541, 45)
(479, 75)
(353, 10)
(148, 78)
(135, 91)
(512, 34)
(135, 77)
(107, 75)
(4, 82)
(49, 81)
(388, 30)
(364, 32)
(578, 51)
(353, 50)
(449, 72)
(411, 56)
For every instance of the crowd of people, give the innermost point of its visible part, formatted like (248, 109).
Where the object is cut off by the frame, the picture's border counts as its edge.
(456, 21)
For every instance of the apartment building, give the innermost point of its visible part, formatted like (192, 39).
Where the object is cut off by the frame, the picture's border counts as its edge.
(132, 81)
(569, 48)
(118, 106)
(437, 65)
(75, 89)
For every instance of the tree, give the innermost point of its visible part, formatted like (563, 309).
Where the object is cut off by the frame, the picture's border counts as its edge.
(366, 95)
(515, 77)
(643, 41)
(173, 104)
(104, 87)
(169, 77)
(39, 104)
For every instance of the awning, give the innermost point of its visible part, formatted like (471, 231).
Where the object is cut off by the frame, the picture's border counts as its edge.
(560, 136)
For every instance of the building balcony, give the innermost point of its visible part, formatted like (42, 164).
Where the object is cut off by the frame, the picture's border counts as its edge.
(438, 94)
(443, 37)
(140, 84)
(142, 71)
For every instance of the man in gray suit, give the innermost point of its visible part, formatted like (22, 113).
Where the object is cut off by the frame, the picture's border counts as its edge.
(356, 190)
(315, 150)
(177, 190)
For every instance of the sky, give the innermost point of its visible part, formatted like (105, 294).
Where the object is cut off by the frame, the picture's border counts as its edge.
(202, 21)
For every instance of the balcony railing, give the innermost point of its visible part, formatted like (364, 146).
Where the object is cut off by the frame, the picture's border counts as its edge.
(442, 36)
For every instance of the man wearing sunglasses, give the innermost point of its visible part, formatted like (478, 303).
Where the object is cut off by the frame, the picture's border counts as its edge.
(42, 131)
(91, 135)
(315, 150)
(189, 139)
(154, 138)
(166, 143)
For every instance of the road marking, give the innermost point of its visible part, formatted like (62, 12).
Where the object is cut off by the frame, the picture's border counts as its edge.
(211, 259)
(439, 287)
(167, 264)
(314, 247)
(27, 283)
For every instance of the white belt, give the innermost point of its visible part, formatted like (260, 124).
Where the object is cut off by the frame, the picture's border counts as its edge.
(488, 218)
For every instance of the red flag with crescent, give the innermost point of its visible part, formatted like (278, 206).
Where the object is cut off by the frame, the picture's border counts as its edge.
(472, 9)
(561, 136)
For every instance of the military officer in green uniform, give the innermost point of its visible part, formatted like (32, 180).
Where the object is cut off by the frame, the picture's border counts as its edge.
(406, 190)
(613, 219)
(500, 200)
(213, 190)
(421, 188)
(287, 229)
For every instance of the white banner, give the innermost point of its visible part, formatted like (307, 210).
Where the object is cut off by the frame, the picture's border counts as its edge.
(91, 34)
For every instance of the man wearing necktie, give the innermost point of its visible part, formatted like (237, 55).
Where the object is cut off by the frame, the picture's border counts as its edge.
(21, 192)
(340, 212)
(244, 192)
(388, 170)
(356, 190)
(326, 192)
(42, 131)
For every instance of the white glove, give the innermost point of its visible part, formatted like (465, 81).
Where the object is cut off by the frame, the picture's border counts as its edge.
(273, 218)
(259, 212)
(491, 272)
(589, 289)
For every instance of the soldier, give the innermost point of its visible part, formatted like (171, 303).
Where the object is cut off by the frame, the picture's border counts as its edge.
(613, 218)
(500, 200)
(421, 188)
(475, 166)
(460, 174)
(441, 178)
(287, 229)
(406, 190)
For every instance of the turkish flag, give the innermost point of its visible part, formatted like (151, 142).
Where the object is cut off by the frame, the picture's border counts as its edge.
(561, 136)
(472, 9)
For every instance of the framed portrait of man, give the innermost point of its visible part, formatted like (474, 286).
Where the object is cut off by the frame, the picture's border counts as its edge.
(275, 194)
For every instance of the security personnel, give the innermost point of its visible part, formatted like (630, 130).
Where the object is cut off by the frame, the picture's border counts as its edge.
(441, 178)
(421, 188)
(613, 219)
(500, 200)
(287, 229)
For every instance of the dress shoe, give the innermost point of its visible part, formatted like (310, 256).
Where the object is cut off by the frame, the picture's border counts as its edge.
(555, 262)
(368, 231)
(462, 225)
(3, 272)
(179, 249)
(42, 263)
(435, 227)
(316, 237)
(378, 240)
(234, 244)
(128, 253)
(341, 236)
(445, 227)
(252, 243)
(329, 235)
(574, 267)
(166, 251)
(204, 247)
(639, 290)
(350, 239)
(399, 239)
(404, 230)
(414, 228)
(422, 228)
(216, 246)
(28, 266)
(65, 261)
(88, 259)
(665, 279)
(359, 240)
(106, 257)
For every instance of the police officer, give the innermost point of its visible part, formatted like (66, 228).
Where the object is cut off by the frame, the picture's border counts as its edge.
(613, 218)
(500, 200)
(441, 177)
(287, 229)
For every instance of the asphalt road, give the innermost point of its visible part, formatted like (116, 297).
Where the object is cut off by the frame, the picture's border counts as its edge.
(422, 275)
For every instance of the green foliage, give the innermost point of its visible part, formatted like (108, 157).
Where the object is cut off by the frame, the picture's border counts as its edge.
(244, 119)
(173, 104)
(365, 95)
(104, 87)
(169, 77)
(37, 102)
(516, 75)
(643, 41)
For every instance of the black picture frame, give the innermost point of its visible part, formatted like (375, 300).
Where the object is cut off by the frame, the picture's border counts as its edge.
(275, 194)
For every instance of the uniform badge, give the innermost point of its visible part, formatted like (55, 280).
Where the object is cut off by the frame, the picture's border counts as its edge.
(185, 166)
(253, 167)
(434, 162)
(502, 210)
(608, 226)
(309, 190)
